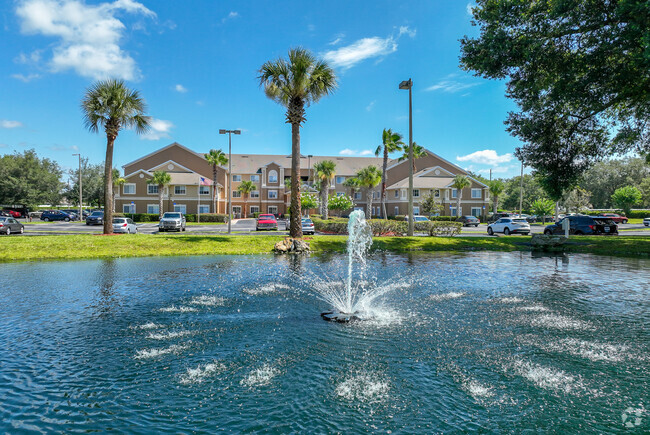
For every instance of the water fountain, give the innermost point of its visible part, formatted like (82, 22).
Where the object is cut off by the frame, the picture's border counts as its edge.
(351, 303)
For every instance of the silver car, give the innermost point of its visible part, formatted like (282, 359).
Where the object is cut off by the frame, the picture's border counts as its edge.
(307, 226)
(124, 225)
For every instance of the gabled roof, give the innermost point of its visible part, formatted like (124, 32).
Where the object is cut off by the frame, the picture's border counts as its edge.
(173, 144)
(164, 167)
(138, 171)
(396, 162)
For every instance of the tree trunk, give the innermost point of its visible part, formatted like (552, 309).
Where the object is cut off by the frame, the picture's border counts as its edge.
(323, 200)
(160, 201)
(113, 200)
(214, 189)
(458, 196)
(295, 225)
(108, 186)
(244, 215)
(496, 203)
(383, 184)
(368, 204)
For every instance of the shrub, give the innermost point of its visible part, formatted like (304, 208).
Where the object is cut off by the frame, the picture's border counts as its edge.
(210, 217)
(445, 229)
(384, 227)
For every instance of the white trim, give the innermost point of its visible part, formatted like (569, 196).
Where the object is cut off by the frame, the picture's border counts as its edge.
(129, 193)
(273, 162)
(139, 170)
(153, 205)
(203, 206)
(152, 185)
(480, 193)
(174, 170)
(184, 186)
(184, 210)
(272, 190)
(425, 171)
(163, 149)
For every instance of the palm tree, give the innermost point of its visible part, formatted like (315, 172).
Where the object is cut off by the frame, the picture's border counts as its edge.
(111, 105)
(246, 187)
(390, 142)
(117, 182)
(460, 182)
(367, 179)
(496, 188)
(296, 83)
(325, 172)
(160, 179)
(418, 152)
(215, 158)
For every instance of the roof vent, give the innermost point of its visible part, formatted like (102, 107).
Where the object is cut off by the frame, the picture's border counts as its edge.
(244, 157)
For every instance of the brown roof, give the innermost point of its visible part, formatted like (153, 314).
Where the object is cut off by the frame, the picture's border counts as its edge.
(347, 166)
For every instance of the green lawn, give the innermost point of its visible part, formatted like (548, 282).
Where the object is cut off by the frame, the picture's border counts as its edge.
(18, 248)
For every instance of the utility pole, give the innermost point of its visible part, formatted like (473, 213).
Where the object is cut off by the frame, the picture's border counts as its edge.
(408, 84)
(230, 132)
(521, 188)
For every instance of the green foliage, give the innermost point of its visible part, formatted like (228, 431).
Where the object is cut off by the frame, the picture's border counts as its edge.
(385, 227)
(543, 208)
(160, 179)
(340, 203)
(92, 180)
(325, 172)
(246, 187)
(429, 204)
(608, 175)
(533, 190)
(626, 197)
(27, 179)
(576, 200)
(418, 152)
(308, 201)
(644, 187)
(445, 229)
(578, 70)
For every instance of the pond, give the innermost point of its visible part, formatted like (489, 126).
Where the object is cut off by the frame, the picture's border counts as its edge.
(491, 342)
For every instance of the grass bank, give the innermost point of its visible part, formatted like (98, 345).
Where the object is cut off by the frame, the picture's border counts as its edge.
(87, 246)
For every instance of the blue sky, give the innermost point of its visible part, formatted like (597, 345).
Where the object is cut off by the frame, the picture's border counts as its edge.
(196, 64)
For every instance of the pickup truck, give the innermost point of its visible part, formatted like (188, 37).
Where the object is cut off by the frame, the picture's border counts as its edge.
(172, 221)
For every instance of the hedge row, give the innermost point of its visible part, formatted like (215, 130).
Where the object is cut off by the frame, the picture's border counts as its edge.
(401, 217)
(383, 227)
(153, 217)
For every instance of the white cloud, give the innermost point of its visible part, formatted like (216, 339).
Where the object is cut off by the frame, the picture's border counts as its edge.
(5, 123)
(486, 157)
(230, 16)
(180, 88)
(449, 85)
(469, 7)
(371, 105)
(347, 152)
(508, 169)
(366, 48)
(406, 30)
(337, 39)
(88, 36)
(25, 78)
(159, 129)
(350, 152)
(64, 148)
(366, 153)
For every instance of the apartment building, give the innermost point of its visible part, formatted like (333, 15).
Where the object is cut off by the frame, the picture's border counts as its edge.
(190, 173)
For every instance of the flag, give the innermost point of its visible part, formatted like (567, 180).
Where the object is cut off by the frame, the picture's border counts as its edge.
(204, 182)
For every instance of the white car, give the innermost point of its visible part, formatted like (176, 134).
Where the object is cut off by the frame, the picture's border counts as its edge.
(124, 225)
(418, 218)
(509, 226)
(646, 222)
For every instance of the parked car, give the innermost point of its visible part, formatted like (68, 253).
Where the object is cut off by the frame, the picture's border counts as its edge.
(584, 225)
(617, 218)
(10, 225)
(496, 216)
(5, 213)
(124, 225)
(76, 213)
(509, 226)
(307, 226)
(646, 222)
(418, 218)
(56, 215)
(266, 222)
(35, 214)
(172, 221)
(13, 213)
(468, 221)
(95, 218)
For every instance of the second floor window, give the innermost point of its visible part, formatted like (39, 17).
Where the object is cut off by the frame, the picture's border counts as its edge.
(152, 189)
(273, 176)
(255, 178)
(340, 180)
(454, 193)
(476, 193)
(129, 189)
(179, 190)
(436, 193)
(204, 190)
(255, 194)
(236, 178)
(273, 194)
(416, 193)
(357, 195)
(397, 194)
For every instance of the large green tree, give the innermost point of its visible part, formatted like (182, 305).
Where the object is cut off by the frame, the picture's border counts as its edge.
(340, 203)
(216, 158)
(160, 179)
(92, 183)
(111, 106)
(460, 182)
(27, 179)
(603, 178)
(533, 190)
(295, 83)
(579, 70)
(325, 172)
(496, 188)
(626, 197)
(390, 143)
(366, 179)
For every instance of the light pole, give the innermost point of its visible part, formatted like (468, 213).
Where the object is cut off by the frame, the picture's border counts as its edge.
(80, 206)
(229, 132)
(521, 188)
(408, 84)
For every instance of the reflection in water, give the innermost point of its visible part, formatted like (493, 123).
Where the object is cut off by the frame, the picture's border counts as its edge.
(107, 299)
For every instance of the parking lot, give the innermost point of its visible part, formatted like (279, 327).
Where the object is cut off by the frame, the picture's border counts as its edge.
(247, 226)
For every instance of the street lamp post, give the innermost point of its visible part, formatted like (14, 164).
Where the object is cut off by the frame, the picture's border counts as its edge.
(229, 132)
(80, 191)
(408, 84)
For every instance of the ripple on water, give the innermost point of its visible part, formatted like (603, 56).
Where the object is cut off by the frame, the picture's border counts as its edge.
(154, 353)
(168, 335)
(367, 387)
(266, 289)
(149, 325)
(201, 372)
(179, 309)
(260, 377)
(208, 301)
(548, 378)
(590, 350)
(446, 296)
(560, 322)
(510, 300)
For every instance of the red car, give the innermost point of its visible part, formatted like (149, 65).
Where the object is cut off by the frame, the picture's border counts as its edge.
(266, 222)
(614, 217)
(13, 213)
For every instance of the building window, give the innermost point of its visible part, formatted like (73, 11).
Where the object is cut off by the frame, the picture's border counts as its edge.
(476, 211)
(454, 193)
(129, 189)
(340, 180)
(128, 208)
(375, 195)
(236, 210)
(273, 176)
(179, 190)
(153, 209)
(396, 210)
(255, 209)
(255, 194)
(416, 209)
(273, 209)
(476, 193)
(403, 193)
(396, 193)
(236, 178)
(416, 193)
(255, 178)
(339, 194)
(436, 193)
(180, 207)
(204, 190)
(203, 209)
(273, 194)
(357, 195)
(453, 211)
(236, 194)
(152, 189)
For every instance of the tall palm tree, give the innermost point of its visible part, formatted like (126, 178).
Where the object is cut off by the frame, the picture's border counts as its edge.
(215, 158)
(496, 188)
(390, 143)
(460, 182)
(325, 172)
(109, 104)
(246, 187)
(160, 179)
(295, 84)
(418, 152)
(367, 179)
(117, 182)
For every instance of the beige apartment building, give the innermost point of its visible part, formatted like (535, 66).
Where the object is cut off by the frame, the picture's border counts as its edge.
(188, 193)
